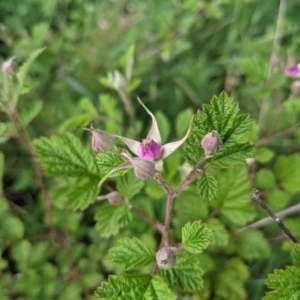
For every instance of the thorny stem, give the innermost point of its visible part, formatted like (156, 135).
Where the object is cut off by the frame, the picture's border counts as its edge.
(256, 198)
(258, 224)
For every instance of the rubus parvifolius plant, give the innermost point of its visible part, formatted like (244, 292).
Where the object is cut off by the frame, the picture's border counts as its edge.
(216, 139)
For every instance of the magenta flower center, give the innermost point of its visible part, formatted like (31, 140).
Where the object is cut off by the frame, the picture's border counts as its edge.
(292, 71)
(150, 149)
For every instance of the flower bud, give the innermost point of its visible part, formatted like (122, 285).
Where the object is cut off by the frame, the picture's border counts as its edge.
(166, 257)
(143, 168)
(211, 142)
(114, 198)
(295, 87)
(101, 140)
(7, 67)
(274, 60)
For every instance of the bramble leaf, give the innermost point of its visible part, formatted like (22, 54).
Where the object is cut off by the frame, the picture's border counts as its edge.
(230, 281)
(186, 273)
(129, 185)
(296, 255)
(65, 156)
(221, 115)
(233, 197)
(286, 284)
(107, 161)
(196, 237)
(287, 172)
(134, 287)
(82, 195)
(207, 186)
(111, 218)
(252, 244)
(131, 253)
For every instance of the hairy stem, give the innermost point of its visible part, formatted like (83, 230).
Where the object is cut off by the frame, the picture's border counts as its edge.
(256, 198)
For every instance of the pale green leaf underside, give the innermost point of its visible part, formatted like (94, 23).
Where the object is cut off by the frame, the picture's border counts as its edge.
(111, 218)
(131, 253)
(135, 287)
(186, 273)
(207, 186)
(196, 237)
(65, 156)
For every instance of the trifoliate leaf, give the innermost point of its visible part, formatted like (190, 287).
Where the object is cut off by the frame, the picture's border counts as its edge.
(233, 197)
(29, 112)
(107, 161)
(265, 179)
(264, 155)
(129, 185)
(296, 255)
(82, 195)
(111, 218)
(65, 156)
(207, 186)
(233, 155)
(285, 283)
(135, 287)
(23, 70)
(252, 244)
(230, 280)
(186, 273)
(221, 115)
(131, 253)
(196, 237)
(287, 172)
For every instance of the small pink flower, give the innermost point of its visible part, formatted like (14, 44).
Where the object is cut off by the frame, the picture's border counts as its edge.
(114, 198)
(166, 257)
(151, 148)
(101, 140)
(7, 67)
(293, 71)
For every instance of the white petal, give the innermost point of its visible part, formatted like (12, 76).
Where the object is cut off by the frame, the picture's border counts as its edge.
(159, 165)
(154, 131)
(169, 148)
(132, 144)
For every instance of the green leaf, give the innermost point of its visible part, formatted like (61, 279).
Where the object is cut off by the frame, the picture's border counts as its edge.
(252, 244)
(287, 172)
(285, 283)
(220, 236)
(233, 197)
(107, 161)
(129, 185)
(82, 195)
(182, 121)
(221, 115)
(230, 156)
(111, 218)
(186, 273)
(12, 228)
(87, 105)
(230, 280)
(264, 155)
(76, 122)
(265, 179)
(131, 253)
(23, 70)
(296, 255)
(134, 287)
(65, 156)
(278, 199)
(196, 237)
(31, 111)
(207, 186)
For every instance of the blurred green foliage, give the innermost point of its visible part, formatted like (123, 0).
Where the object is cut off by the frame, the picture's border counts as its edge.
(175, 55)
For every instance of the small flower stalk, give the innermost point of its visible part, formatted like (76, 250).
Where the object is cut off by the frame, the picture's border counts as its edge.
(114, 198)
(166, 257)
(211, 142)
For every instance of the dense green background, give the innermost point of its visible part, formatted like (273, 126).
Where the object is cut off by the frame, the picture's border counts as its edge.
(185, 52)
